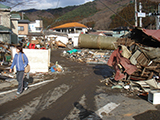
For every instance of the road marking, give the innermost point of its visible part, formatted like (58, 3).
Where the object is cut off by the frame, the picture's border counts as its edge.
(5, 92)
(106, 109)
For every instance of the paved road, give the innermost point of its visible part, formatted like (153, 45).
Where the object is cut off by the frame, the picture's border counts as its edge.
(76, 94)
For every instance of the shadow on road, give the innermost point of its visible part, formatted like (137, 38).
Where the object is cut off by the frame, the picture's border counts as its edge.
(103, 70)
(85, 114)
(44, 118)
(148, 115)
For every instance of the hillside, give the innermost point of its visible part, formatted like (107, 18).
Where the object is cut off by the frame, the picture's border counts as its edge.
(101, 19)
(92, 14)
(48, 15)
(148, 21)
(99, 14)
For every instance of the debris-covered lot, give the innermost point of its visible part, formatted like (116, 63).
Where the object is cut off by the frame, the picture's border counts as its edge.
(136, 68)
(82, 83)
(125, 78)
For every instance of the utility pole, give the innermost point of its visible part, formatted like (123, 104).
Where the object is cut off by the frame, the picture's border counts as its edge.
(140, 11)
(157, 18)
(22, 15)
(135, 1)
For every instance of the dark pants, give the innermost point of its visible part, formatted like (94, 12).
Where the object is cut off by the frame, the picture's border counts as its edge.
(21, 83)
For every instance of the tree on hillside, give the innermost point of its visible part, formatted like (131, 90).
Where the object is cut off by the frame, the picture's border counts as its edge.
(78, 14)
(128, 14)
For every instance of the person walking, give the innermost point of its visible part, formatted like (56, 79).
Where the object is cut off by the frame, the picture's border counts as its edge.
(21, 61)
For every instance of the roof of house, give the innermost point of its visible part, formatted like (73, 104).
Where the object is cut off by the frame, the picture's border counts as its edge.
(4, 7)
(70, 25)
(23, 21)
(15, 16)
(153, 33)
(4, 29)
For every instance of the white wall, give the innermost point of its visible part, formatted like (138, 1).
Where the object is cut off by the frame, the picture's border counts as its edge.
(39, 60)
(63, 39)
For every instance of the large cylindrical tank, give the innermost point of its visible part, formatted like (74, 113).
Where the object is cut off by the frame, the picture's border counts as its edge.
(96, 41)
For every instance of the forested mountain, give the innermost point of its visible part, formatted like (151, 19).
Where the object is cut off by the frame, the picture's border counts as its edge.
(99, 14)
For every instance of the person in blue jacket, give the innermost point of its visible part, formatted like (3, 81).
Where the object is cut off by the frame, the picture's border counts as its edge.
(20, 63)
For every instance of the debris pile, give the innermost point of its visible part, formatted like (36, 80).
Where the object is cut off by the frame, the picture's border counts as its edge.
(88, 56)
(146, 59)
(139, 64)
(57, 68)
(146, 77)
(5, 54)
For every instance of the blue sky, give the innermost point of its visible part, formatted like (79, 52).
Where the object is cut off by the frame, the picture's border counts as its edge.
(43, 4)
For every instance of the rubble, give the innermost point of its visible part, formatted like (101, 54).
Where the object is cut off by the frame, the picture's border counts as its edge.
(146, 77)
(56, 68)
(146, 58)
(88, 56)
(7, 51)
(146, 62)
(143, 59)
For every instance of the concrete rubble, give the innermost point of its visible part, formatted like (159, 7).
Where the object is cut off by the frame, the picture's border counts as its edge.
(88, 56)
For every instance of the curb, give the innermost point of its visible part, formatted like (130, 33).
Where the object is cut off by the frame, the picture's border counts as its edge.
(36, 84)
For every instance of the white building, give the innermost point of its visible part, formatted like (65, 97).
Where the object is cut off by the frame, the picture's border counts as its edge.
(36, 26)
(73, 30)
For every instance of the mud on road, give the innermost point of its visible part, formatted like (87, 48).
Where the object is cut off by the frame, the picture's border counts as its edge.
(74, 95)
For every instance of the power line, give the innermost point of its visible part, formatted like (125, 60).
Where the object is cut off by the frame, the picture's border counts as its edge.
(115, 3)
(57, 4)
(116, 13)
(56, 20)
